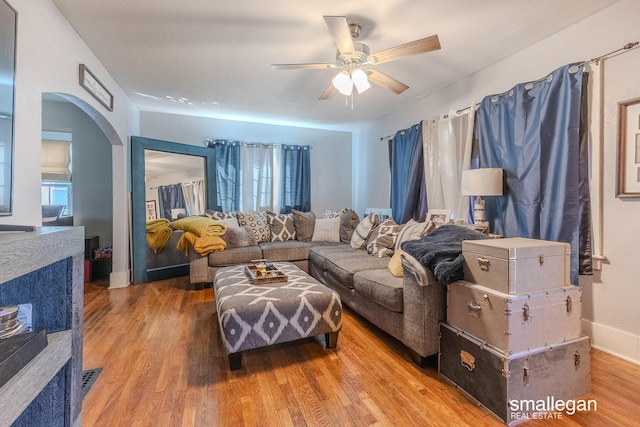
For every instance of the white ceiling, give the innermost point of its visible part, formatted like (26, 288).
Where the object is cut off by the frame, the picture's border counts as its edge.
(212, 57)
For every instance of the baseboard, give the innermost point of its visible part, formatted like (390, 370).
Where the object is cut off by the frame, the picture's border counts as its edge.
(618, 343)
(119, 279)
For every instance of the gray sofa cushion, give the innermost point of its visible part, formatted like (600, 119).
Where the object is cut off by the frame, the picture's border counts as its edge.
(289, 250)
(234, 256)
(344, 265)
(318, 254)
(381, 287)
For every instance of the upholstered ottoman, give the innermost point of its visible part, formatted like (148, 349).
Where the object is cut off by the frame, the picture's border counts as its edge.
(252, 316)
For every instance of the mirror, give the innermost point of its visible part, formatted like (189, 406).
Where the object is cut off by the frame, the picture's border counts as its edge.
(8, 18)
(168, 179)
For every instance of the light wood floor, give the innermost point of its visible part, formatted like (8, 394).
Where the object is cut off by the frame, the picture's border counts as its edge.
(163, 365)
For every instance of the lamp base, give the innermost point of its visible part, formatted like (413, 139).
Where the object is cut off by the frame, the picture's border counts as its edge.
(478, 210)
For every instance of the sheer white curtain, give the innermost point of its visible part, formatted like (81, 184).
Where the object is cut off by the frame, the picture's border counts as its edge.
(194, 197)
(256, 165)
(447, 152)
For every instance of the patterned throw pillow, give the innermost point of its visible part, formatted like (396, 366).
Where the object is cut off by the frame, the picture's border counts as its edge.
(326, 230)
(383, 239)
(304, 222)
(281, 227)
(218, 216)
(363, 230)
(334, 214)
(257, 223)
(348, 223)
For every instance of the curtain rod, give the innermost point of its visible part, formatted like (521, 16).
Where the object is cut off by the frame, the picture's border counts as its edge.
(626, 47)
(251, 144)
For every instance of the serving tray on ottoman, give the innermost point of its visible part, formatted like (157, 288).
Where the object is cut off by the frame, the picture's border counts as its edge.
(271, 276)
(253, 316)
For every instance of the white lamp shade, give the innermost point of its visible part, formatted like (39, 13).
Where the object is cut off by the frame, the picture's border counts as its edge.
(343, 83)
(360, 80)
(482, 182)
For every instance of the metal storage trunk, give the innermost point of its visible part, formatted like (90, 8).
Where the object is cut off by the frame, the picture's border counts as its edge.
(516, 265)
(521, 386)
(515, 323)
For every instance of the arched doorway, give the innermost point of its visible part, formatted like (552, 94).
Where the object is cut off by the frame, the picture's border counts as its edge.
(98, 198)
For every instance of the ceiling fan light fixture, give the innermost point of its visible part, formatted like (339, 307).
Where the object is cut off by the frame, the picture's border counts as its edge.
(343, 83)
(360, 80)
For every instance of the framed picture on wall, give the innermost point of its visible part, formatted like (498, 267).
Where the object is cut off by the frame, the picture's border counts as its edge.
(152, 210)
(439, 216)
(628, 182)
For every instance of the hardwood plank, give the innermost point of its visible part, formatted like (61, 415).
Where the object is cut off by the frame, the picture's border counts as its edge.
(163, 364)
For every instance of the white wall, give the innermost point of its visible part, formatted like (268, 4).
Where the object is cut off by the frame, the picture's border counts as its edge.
(331, 170)
(49, 52)
(610, 297)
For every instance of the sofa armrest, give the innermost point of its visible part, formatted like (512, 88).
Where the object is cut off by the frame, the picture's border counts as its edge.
(423, 276)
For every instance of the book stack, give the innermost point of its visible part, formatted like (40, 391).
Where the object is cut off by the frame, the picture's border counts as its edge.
(9, 323)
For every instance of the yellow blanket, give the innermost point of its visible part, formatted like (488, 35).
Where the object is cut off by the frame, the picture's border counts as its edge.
(200, 226)
(204, 245)
(157, 223)
(158, 238)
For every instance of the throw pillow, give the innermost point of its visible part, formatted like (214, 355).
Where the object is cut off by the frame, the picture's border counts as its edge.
(229, 222)
(258, 225)
(363, 230)
(281, 227)
(334, 214)
(326, 230)
(304, 222)
(239, 237)
(414, 230)
(348, 223)
(383, 239)
(218, 216)
(395, 264)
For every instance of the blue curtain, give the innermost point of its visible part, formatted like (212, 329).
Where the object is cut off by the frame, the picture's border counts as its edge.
(408, 189)
(295, 179)
(533, 133)
(170, 197)
(228, 177)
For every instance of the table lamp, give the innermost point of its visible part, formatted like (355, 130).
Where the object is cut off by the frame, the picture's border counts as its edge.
(481, 182)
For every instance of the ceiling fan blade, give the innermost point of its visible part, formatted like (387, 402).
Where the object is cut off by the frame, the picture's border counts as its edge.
(386, 82)
(339, 29)
(302, 66)
(328, 92)
(415, 47)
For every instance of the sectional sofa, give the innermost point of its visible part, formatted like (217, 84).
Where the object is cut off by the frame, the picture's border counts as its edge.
(408, 308)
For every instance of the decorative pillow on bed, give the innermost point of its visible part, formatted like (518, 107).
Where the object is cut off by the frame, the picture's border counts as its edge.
(258, 225)
(414, 230)
(348, 223)
(239, 237)
(281, 226)
(383, 239)
(326, 230)
(304, 222)
(363, 231)
(334, 214)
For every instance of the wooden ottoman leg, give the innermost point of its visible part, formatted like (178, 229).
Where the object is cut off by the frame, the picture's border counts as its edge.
(235, 361)
(331, 339)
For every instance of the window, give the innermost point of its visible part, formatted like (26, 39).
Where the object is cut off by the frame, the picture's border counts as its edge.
(57, 193)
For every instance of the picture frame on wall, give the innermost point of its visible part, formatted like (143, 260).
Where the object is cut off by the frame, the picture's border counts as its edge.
(152, 210)
(628, 179)
(439, 216)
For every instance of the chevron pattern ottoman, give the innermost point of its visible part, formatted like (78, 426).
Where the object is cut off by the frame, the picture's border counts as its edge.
(252, 316)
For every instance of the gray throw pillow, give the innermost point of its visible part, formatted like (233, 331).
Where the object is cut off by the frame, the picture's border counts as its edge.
(304, 223)
(239, 237)
(382, 241)
(257, 223)
(348, 223)
(281, 226)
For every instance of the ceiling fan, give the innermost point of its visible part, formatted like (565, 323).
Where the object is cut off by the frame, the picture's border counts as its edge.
(352, 57)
